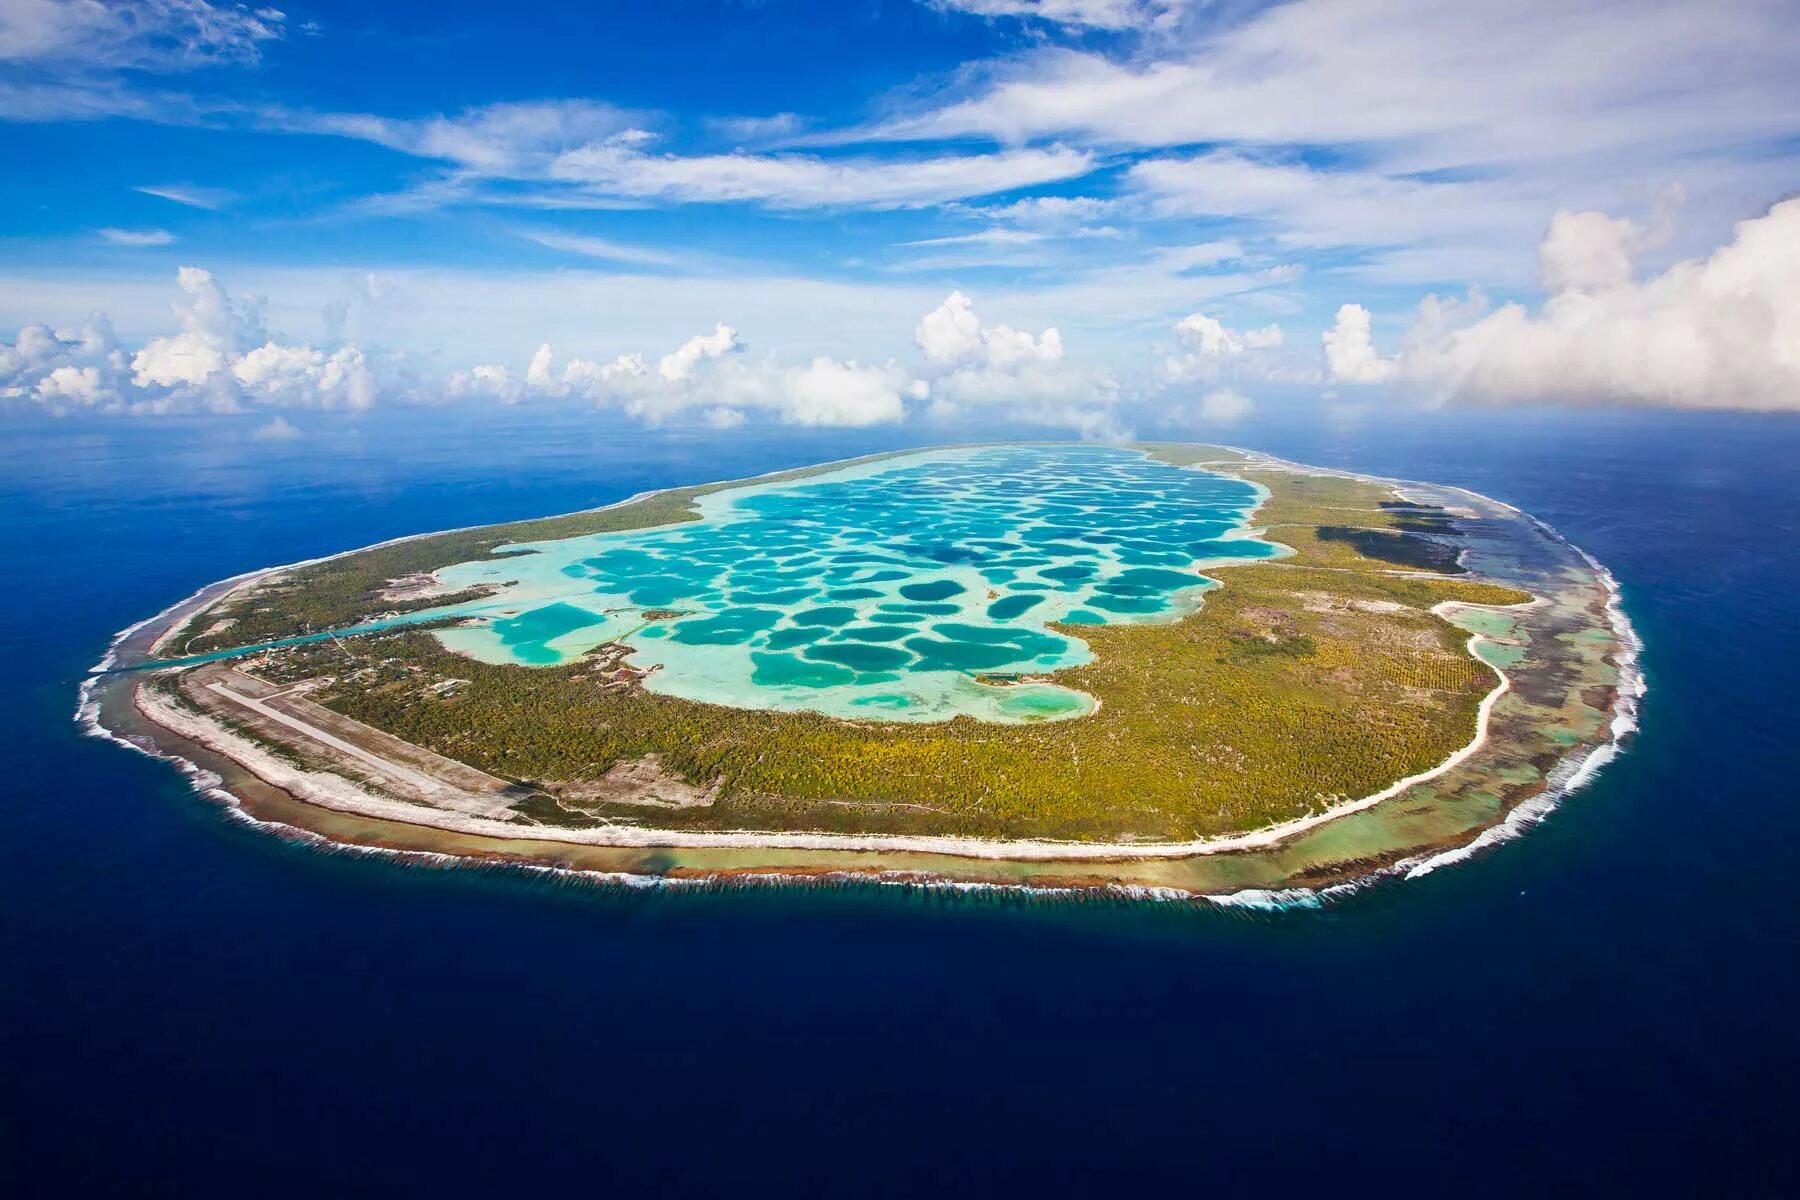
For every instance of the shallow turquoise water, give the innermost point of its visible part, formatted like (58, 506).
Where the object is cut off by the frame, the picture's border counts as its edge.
(896, 589)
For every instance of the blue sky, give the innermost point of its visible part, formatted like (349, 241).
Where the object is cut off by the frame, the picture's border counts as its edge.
(1092, 212)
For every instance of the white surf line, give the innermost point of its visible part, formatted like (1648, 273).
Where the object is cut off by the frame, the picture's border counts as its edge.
(1575, 770)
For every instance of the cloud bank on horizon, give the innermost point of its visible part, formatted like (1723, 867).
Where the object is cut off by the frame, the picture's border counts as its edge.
(1163, 207)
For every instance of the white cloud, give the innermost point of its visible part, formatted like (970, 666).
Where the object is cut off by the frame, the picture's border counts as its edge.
(827, 392)
(1436, 80)
(755, 129)
(1586, 250)
(619, 166)
(539, 375)
(1305, 206)
(213, 328)
(1089, 14)
(136, 237)
(953, 334)
(1210, 345)
(679, 365)
(211, 199)
(145, 35)
(222, 358)
(303, 376)
(1051, 212)
(496, 139)
(1400, 126)
(1719, 332)
(984, 237)
(70, 385)
(1203, 254)
(1011, 373)
(710, 375)
(1222, 406)
(278, 429)
(593, 247)
(1350, 354)
(488, 381)
(1225, 406)
(999, 245)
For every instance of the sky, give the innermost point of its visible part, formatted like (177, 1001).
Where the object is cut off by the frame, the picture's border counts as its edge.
(1104, 216)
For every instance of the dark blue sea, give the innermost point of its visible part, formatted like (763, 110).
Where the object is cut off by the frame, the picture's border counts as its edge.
(191, 1008)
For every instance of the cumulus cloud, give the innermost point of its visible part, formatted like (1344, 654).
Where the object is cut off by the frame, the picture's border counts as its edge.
(1718, 332)
(1350, 354)
(972, 369)
(678, 366)
(952, 333)
(488, 381)
(305, 376)
(73, 387)
(711, 376)
(222, 357)
(1010, 373)
(214, 327)
(1210, 346)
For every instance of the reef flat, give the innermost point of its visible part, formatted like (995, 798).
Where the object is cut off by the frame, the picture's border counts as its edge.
(1177, 669)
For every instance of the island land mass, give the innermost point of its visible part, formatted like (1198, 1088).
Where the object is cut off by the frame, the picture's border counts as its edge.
(1410, 672)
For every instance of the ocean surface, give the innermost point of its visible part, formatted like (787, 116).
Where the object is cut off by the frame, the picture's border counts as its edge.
(189, 1007)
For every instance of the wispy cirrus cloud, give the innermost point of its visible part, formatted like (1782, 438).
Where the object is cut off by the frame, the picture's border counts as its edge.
(1425, 83)
(600, 248)
(135, 237)
(189, 195)
(1113, 15)
(622, 166)
(144, 35)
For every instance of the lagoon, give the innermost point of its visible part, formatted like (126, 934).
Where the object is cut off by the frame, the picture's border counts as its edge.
(913, 588)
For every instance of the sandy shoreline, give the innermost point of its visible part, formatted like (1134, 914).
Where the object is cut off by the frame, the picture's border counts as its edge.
(341, 795)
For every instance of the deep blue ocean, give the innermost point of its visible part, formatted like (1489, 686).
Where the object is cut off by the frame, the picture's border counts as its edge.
(189, 1007)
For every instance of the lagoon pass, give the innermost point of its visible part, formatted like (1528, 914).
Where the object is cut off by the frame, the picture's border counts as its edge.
(1168, 670)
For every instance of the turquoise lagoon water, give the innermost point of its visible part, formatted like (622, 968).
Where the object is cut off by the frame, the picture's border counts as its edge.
(905, 589)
